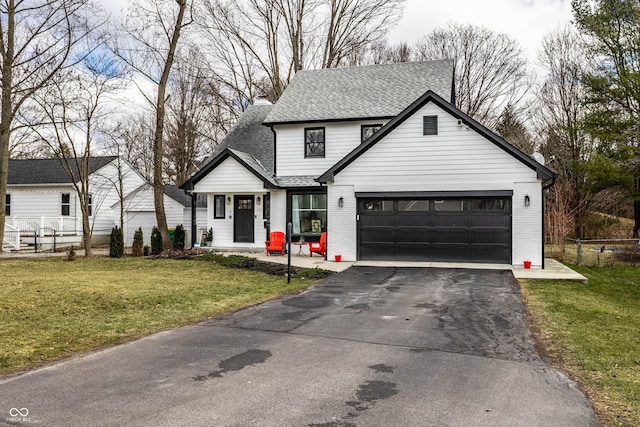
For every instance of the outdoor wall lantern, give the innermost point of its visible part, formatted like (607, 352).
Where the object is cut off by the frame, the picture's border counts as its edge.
(341, 202)
(258, 200)
(527, 200)
(229, 200)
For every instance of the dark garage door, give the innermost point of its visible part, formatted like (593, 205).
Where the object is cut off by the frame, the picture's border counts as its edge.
(473, 229)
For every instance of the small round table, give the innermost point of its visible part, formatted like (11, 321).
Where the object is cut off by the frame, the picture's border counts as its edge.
(300, 245)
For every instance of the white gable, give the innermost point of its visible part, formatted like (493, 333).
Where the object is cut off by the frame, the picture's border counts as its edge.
(457, 159)
(229, 177)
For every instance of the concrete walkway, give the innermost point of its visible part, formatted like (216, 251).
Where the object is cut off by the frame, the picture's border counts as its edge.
(553, 270)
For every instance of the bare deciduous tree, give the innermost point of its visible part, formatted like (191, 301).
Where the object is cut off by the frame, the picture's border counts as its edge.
(38, 38)
(73, 112)
(153, 30)
(257, 45)
(351, 25)
(490, 69)
(380, 52)
(192, 119)
(558, 120)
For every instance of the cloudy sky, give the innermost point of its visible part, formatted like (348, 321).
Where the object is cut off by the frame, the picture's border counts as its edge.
(527, 21)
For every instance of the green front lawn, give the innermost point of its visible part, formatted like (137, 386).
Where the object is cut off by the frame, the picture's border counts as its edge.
(52, 308)
(593, 331)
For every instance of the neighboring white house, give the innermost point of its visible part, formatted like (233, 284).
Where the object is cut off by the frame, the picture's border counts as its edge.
(380, 159)
(42, 202)
(139, 212)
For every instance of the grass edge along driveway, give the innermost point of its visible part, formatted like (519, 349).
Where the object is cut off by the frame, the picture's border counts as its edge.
(591, 331)
(52, 308)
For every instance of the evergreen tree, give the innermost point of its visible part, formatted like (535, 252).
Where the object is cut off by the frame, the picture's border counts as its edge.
(156, 241)
(116, 243)
(612, 29)
(178, 238)
(138, 242)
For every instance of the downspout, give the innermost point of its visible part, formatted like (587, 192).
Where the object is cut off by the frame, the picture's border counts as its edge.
(544, 188)
(194, 225)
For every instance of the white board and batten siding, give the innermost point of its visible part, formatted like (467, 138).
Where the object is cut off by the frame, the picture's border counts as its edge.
(231, 178)
(340, 139)
(457, 159)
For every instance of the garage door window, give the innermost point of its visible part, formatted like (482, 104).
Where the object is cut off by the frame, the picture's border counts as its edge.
(413, 205)
(377, 205)
(489, 205)
(452, 205)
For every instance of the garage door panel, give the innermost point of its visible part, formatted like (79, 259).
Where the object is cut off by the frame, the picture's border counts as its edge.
(451, 219)
(413, 235)
(411, 251)
(494, 235)
(464, 230)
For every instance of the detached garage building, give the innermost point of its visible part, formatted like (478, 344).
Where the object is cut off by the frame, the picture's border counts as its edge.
(380, 159)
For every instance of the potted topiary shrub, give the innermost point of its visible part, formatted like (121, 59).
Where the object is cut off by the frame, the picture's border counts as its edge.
(210, 237)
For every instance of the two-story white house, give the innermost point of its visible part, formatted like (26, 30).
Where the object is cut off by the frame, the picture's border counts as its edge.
(381, 159)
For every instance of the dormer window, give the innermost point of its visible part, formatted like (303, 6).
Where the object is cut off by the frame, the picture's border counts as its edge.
(367, 130)
(430, 125)
(314, 142)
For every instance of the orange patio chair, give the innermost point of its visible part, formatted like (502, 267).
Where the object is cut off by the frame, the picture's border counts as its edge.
(275, 242)
(319, 247)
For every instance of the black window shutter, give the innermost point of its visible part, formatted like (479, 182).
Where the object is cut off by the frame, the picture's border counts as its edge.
(430, 125)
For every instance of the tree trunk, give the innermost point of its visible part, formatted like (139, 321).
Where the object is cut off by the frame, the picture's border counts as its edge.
(6, 116)
(158, 151)
(86, 236)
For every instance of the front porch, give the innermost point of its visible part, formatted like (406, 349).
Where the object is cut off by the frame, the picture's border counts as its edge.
(41, 233)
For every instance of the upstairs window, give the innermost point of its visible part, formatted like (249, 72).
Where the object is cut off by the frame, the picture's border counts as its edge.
(66, 204)
(367, 130)
(430, 125)
(90, 205)
(7, 205)
(314, 142)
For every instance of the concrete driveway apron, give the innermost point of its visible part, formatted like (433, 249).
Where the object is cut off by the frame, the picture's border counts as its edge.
(366, 347)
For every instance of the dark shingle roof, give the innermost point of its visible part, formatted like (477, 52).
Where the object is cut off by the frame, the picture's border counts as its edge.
(251, 137)
(360, 92)
(48, 171)
(297, 181)
(254, 164)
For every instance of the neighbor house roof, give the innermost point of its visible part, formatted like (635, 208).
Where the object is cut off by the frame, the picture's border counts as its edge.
(181, 197)
(350, 93)
(430, 96)
(48, 171)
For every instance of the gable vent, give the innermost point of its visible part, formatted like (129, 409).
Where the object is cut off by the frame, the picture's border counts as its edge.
(430, 125)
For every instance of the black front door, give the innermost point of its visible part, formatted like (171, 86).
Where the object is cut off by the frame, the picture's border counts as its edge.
(243, 214)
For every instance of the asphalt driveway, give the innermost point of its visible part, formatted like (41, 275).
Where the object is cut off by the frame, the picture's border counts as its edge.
(366, 347)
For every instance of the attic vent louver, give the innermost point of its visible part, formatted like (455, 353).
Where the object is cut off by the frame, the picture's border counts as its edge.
(430, 125)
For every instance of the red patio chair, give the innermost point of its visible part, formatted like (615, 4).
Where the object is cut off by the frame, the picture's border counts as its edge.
(275, 242)
(319, 247)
